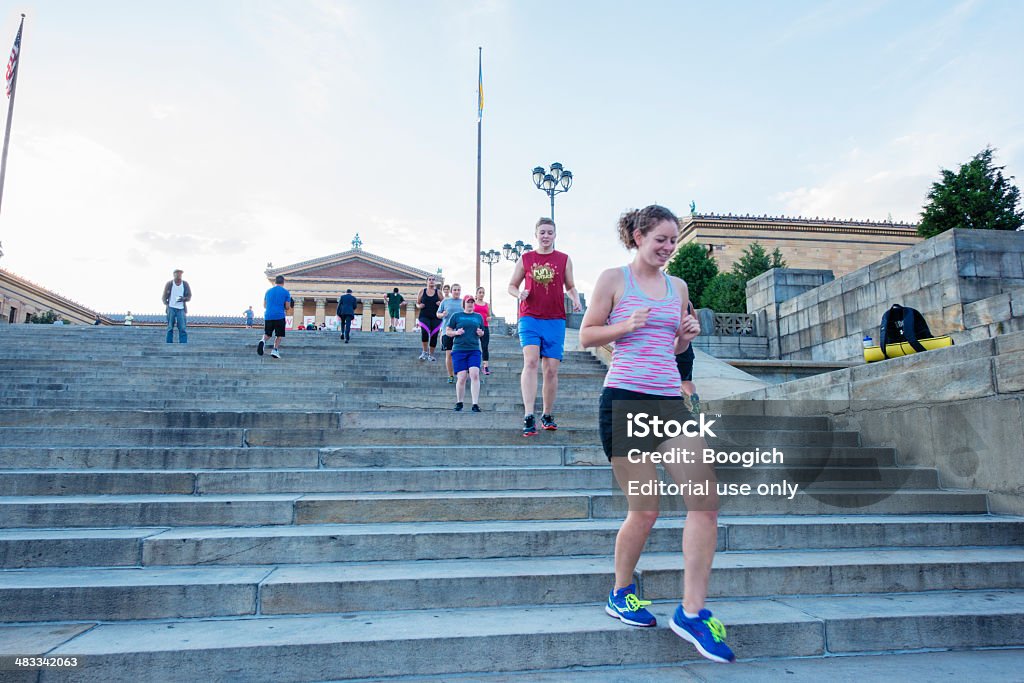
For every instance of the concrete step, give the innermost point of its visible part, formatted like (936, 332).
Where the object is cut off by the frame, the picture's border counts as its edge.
(998, 665)
(479, 540)
(177, 592)
(112, 482)
(289, 544)
(472, 434)
(371, 644)
(231, 458)
(333, 419)
(365, 508)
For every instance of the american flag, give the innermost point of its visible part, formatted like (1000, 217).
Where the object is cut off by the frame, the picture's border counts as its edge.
(12, 63)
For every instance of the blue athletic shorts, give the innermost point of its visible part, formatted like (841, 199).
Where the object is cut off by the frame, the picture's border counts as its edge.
(549, 335)
(464, 360)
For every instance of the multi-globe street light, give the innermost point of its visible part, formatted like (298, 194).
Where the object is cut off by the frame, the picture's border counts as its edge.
(490, 257)
(513, 252)
(553, 181)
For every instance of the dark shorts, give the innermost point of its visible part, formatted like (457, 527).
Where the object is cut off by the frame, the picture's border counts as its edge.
(446, 342)
(684, 361)
(464, 360)
(614, 406)
(272, 327)
(393, 313)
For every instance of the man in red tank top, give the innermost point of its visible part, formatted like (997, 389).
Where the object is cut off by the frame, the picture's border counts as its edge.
(548, 276)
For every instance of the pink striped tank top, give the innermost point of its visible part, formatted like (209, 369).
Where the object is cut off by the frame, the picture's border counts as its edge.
(643, 360)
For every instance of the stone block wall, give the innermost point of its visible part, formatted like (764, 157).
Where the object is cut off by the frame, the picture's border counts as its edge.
(733, 347)
(962, 281)
(959, 409)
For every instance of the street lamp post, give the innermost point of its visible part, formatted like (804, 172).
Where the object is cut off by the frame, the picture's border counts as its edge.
(513, 252)
(490, 257)
(552, 182)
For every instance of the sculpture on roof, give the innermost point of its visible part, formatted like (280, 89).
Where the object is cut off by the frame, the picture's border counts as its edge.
(693, 207)
(357, 243)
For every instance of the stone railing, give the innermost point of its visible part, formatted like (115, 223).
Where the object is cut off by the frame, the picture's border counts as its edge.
(735, 325)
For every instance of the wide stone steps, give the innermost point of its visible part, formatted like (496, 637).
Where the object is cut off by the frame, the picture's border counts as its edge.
(195, 512)
(373, 642)
(227, 591)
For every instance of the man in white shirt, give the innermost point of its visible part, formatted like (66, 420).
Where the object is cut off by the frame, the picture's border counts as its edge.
(177, 294)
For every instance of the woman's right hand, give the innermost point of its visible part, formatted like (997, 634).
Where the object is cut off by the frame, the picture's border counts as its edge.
(638, 319)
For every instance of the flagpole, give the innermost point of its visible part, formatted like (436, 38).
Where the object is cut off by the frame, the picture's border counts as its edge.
(10, 113)
(479, 140)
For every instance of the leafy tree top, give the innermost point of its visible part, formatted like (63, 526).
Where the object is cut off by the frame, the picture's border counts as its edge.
(977, 196)
(696, 266)
(755, 260)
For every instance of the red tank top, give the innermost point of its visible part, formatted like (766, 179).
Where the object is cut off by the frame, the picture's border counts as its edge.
(545, 278)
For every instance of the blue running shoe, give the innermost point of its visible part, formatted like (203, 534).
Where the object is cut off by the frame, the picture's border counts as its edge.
(625, 606)
(705, 632)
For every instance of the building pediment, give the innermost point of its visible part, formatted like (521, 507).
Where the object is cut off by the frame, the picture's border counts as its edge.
(352, 265)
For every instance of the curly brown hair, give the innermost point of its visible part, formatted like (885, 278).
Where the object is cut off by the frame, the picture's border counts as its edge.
(643, 220)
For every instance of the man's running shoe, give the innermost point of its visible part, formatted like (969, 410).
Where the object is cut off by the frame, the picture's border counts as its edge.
(275, 354)
(705, 632)
(548, 422)
(259, 347)
(476, 408)
(423, 356)
(529, 425)
(625, 606)
(694, 404)
(431, 358)
(458, 407)
(451, 380)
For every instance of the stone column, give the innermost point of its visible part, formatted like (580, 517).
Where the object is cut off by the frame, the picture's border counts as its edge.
(367, 314)
(297, 312)
(410, 317)
(320, 303)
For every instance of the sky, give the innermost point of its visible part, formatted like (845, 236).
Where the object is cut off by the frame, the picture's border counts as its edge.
(218, 136)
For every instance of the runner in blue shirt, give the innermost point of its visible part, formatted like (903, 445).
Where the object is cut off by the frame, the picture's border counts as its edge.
(278, 302)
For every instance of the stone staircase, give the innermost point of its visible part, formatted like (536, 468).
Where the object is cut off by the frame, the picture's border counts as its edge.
(196, 512)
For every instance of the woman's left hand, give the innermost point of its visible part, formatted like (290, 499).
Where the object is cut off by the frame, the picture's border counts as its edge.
(689, 328)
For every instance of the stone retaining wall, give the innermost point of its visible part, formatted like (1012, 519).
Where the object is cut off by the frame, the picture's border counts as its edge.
(959, 409)
(961, 280)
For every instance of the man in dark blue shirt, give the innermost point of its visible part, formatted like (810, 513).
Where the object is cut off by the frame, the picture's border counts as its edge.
(346, 312)
(277, 302)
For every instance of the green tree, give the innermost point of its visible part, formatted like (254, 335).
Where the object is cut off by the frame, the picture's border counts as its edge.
(725, 293)
(44, 318)
(696, 266)
(755, 260)
(977, 196)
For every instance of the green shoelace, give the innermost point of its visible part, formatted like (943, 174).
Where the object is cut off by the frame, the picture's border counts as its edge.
(717, 629)
(635, 604)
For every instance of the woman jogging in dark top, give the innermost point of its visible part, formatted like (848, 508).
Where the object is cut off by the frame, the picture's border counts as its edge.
(427, 319)
(644, 311)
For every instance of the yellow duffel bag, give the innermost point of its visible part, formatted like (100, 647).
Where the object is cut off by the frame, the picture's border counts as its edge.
(874, 353)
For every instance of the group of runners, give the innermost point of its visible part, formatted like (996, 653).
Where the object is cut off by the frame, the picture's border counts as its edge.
(646, 314)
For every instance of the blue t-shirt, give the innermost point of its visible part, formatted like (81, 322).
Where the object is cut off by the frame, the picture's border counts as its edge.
(470, 322)
(248, 316)
(451, 305)
(276, 297)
